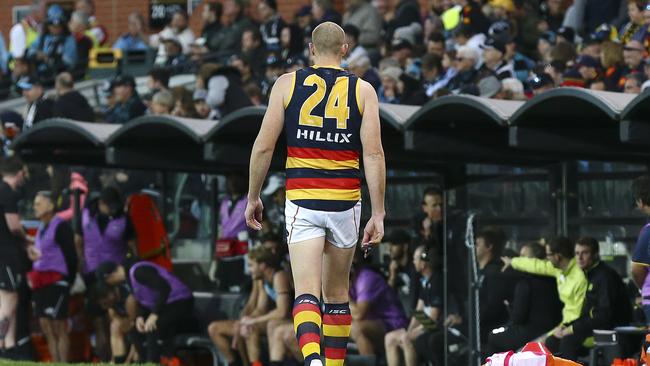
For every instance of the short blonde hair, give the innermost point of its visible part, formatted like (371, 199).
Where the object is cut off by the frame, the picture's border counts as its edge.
(327, 38)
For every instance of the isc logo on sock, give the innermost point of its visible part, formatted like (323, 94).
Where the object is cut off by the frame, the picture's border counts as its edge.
(336, 311)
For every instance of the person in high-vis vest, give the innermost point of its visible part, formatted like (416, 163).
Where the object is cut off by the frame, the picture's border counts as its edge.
(331, 120)
(25, 32)
(571, 280)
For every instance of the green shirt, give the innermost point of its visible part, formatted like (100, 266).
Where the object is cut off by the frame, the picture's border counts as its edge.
(571, 284)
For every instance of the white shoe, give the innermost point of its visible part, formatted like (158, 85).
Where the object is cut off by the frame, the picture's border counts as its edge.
(316, 362)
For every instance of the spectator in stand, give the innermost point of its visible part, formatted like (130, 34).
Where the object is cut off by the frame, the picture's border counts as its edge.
(389, 91)
(55, 50)
(466, 61)
(494, 59)
(571, 281)
(269, 300)
(252, 48)
(589, 68)
(243, 64)
(291, 42)
(158, 79)
(553, 12)
(636, 26)
(225, 92)
(184, 106)
(254, 93)
(374, 306)
(401, 51)
(78, 25)
(178, 30)
(69, 102)
(633, 56)
(556, 71)
(96, 31)
(355, 50)
(633, 83)
(362, 68)
(545, 44)
(210, 16)
(203, 110)
(606, 303)
(490, 87)
(513, 89)
(323, 11)
(401, 273)
(38, 106)
(367, 20)
(164, 304)
(407, 12)
(175, 60)
(272, 24)
(54, 268)
(432, 74)
(535, 308)
(228, 38)
(136, 38)
(597, 84)
(128, 104)
(611, 58)
(429, 303)
(23, 34)
(436, 44)
(162, 103)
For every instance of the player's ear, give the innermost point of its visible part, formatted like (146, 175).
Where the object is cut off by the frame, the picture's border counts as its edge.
(312, 51)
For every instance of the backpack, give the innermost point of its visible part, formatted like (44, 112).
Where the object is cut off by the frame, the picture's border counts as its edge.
(152, 240)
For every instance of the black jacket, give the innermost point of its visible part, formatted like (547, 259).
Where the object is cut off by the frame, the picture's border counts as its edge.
(236, 98)
(73, 105)
(536, 304)
(494, 286)
(43, 111)
(606, 302)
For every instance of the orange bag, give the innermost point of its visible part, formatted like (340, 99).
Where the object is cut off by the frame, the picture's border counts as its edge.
(152, 240)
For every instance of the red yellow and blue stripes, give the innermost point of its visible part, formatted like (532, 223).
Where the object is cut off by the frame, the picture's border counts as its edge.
(337, 324)
(307, 323)
(323, 179)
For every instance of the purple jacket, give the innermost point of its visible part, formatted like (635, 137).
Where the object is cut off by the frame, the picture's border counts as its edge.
(148, 297)
(232, 223)
(107, 246)
(52, 258)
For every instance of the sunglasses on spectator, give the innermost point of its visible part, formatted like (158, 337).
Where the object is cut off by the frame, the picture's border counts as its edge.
(632, 49)
(460, 58)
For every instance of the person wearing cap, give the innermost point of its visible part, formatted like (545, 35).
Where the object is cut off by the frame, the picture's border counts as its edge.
(202, 108)
(178, 30)
(633, 53)
(69, 102)
(128, 104)
(565, 34)
(162, 103)
(366, 18)
(494, 51)
(55, 50)
(588, 67)
(38, 106)
(164, 304)
(175, 60)
(54, 267)
(271, 25)
(135, 39)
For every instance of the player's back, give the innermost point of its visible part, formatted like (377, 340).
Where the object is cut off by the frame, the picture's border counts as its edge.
(322, 124)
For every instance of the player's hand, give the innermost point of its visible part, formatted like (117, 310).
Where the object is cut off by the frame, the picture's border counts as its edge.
(150, 324)
(139, 324)
(253, 213)
(372, 234)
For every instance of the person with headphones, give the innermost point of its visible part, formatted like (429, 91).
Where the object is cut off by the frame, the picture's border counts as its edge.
(427, 314)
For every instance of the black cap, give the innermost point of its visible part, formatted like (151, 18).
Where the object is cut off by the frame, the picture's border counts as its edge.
(124, 80)
(400, 43)
(497, 44)
(587, 61)
(501, 31)
(548, 36)
(567, 32)
(541, 80)
(104, 270)
(273, 60)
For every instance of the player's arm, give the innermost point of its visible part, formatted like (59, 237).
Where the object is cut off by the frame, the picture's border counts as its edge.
(263, 149)
(373, 162)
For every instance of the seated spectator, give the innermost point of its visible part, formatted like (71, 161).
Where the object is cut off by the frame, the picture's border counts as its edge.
(158, 79)
(535, 308)
(39, 107)
(203, 110)
(55, 50)
(22, 68)
(389, 91)
(55, 264)
(598, 84)
(175, 60)
(128, 104)
(362, 15)
(362, 68)
(406, 13)
(545, 44)
(633, 83)
(355, 50)
(606, 303)
(401, 50)
(225, 92)
(243, 64)
(635, 28)
(135, 39)
(401, 273)
(466, 61)
(374, 307)
(78, 26)
(323, 11)
(513, 89)
(69, 102)
(571, 280)
(162, 103)
(494, 52)
(541, 83)
(96, 31)
(254, 93)
(588, 67)
(429, 303)
(164, 304)
(252, 48)
(611, 58)
(291, 42)
(633, 56)
(178, 30)
(490, 87)
(184, 103)
(272, 24)
(436, 44)
(228, 38)
(210, 16)
(269, 300)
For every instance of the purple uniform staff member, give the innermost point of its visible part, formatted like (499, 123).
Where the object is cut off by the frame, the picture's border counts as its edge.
(641, 254)
(54, 264)
(164, 304)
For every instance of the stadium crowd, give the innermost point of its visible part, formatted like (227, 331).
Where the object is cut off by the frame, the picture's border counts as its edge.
(505, 49)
